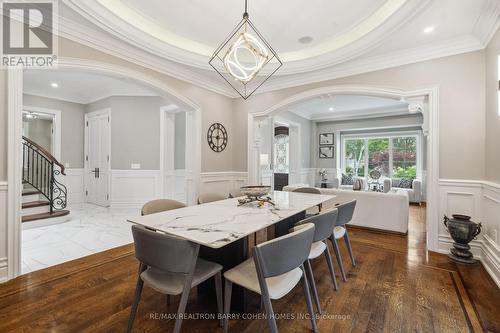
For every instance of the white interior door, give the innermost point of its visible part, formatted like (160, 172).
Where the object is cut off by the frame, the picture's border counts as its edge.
(265, 132)
(97, 157)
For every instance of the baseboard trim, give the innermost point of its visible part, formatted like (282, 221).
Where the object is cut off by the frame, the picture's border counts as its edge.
(380, 231)
(482, 250)
(3, 270)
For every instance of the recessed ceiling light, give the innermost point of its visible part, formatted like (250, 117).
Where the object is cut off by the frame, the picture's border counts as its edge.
(330, 108)
(430, 29)
(54, 85)
(305, 40)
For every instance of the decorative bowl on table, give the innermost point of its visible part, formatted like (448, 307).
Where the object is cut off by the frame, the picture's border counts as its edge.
(255, 193)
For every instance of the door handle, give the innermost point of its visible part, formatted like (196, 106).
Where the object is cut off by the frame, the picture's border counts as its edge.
(96, 172)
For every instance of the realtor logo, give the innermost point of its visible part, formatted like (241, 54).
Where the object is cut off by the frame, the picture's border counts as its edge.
(28, 34)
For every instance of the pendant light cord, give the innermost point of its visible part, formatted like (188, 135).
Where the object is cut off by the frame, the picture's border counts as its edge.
(245, 14)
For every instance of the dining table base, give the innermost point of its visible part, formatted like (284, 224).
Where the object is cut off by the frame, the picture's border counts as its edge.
(238, 251)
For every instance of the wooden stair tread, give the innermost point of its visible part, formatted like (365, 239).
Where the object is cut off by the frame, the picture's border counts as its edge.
(37, 203)
(30, 192)
(42, 216)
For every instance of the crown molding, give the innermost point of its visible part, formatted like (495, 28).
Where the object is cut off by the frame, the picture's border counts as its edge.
(488, 22)
(106, 19)
(104, 42)
(365, 65)
(375, 112)
(81, 101)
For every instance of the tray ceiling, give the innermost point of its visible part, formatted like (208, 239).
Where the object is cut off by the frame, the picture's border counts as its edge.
(347, 36)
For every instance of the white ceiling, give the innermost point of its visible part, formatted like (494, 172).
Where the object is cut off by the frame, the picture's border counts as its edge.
(331, 107)
(211, 21)
(80, 87)
(349, 36)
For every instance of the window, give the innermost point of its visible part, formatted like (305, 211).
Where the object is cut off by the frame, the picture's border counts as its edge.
(281, 158)
(404, 158)
(354, 157)
(378, 156)
(394, 156)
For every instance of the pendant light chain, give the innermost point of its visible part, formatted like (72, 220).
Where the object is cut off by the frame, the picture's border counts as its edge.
(241, 57)
(245, 15)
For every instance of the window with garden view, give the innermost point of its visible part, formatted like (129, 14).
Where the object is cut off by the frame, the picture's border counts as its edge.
(393, 156)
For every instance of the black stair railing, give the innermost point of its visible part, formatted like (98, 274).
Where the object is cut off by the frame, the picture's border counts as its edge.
(40, 169)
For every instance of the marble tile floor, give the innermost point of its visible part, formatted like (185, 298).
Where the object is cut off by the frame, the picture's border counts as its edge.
(91, 229)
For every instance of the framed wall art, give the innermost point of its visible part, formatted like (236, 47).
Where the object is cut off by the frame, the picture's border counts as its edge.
(326, 139)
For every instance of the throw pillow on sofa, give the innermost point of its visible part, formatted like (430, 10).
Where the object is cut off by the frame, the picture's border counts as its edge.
(347, 179)
(406, 183)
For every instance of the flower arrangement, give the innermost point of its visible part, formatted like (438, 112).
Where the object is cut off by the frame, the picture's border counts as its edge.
(323, 174)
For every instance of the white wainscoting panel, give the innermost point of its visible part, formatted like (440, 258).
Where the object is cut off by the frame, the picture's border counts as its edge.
(180, 190)
(481, 201)
(132, 188)
(491, 221)
(74, 181)
(3, 232)
(222, 182)
(308, 176)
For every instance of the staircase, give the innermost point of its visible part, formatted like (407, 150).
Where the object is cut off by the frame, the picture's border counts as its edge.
(43, 196)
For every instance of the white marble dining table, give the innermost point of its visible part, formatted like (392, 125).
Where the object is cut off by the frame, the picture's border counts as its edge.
(217, 224)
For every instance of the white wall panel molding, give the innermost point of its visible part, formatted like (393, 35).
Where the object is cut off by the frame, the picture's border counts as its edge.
(3, 231)
(74, 180)
(222, 182)
(308, 176)
(481, 200)
(3, 269)
(133, 188)
(179, 189)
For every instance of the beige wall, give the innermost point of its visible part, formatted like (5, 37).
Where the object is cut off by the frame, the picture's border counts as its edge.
(492, 113)
(135, 130)
(72, 123)
(3, 125)
(40, 131)
(462, 122)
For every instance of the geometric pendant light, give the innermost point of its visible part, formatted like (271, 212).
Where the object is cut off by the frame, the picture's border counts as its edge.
(245, 59)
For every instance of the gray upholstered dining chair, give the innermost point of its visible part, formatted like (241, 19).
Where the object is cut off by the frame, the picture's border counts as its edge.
(311, 190)
(160, 205)
(210, 197)
(170, 265)
(235, 193)
(276, 268)
(324, 224)
(345, 213)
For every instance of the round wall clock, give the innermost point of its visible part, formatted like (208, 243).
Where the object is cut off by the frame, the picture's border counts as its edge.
(217, 137)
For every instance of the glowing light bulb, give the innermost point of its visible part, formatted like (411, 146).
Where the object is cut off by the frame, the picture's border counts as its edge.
(245, 58)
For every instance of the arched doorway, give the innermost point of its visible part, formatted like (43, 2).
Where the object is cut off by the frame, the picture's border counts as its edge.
(15, 107)
(425, 101)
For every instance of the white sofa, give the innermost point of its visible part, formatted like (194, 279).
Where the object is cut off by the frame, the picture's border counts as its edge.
(349, 187)
(376, 210)
(414, 193)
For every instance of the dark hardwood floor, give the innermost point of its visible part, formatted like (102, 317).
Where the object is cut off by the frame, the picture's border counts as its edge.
(396, 287)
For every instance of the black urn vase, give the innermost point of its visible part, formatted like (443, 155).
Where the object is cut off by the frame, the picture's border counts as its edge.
(462, 230)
